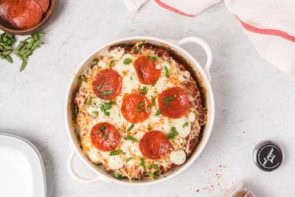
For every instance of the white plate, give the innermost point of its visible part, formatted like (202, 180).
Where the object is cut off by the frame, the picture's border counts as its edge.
(21, 168)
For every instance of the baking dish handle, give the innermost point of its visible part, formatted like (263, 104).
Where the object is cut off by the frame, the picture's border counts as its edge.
(74, 175)
(206, 48)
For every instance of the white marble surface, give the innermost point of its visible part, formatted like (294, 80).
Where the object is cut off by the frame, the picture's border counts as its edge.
(254, 101)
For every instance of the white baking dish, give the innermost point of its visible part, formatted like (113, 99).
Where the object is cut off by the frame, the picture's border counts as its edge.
(202, 74)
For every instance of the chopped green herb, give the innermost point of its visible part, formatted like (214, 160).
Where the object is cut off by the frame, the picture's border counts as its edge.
(153, 102)
(143, 90)
(95, 113)
(105, 136)
(166, 71)
(127, 160)
(117, 176)
(152, 58)
(105, 107)
(140, 106)
(152, 175)
(127, 61)
(131, 78)
(167, 100)
(154, 83)
(172, 134)
(26, 48)
(154, 166)
(116, 152)
(185, 125)
(131, 138)
(98, 87)
(102, 128)
(106, 92)
(7, 40)
(142, 163)
(89, 100)
(158, 112)
(131, 127)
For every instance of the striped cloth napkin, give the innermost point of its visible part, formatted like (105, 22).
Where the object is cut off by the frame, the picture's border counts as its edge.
(269, 24)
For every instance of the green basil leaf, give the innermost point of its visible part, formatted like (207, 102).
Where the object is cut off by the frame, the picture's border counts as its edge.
(116, 152)
(158, 112)
(117, 176)
(142, 163)
(106, 92)
(152, 58)
(131, 127)
(166, 71)
(167, 100)
(127, 61)
(185, 125)
(172, 134)
(143, 90)
(131, 138)
(140, 106)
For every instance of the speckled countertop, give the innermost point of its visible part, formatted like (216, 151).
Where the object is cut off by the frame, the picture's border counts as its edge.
(254, 101)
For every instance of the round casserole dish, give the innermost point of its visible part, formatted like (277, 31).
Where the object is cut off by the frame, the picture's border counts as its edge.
(197, 71)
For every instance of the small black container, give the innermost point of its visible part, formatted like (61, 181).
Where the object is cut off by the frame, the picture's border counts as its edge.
(268, 155)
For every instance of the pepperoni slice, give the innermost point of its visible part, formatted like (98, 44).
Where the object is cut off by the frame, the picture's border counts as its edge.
(135, 108)
(44, 4)
(174, 102)
(146, 70)
(154, 145)
(107, 84)
(105, 136)
(23, 14)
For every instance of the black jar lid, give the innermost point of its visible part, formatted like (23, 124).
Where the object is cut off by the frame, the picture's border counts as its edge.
(268, 156)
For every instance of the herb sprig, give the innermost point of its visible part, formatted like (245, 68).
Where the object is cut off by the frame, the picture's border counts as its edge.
(26, 48)
(105, 107)
(6, 42)
(116, 152)
(131, 138)
(127, 61)
(117, 176)
(23, 50)
(167, 100)
(166, 70)
(172, 134)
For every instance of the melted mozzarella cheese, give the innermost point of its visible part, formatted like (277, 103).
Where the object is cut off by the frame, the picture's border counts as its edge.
(182, 125)
(178, 157)
(116, 53)
(115, 162)
(130, 148)
(94, 155)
